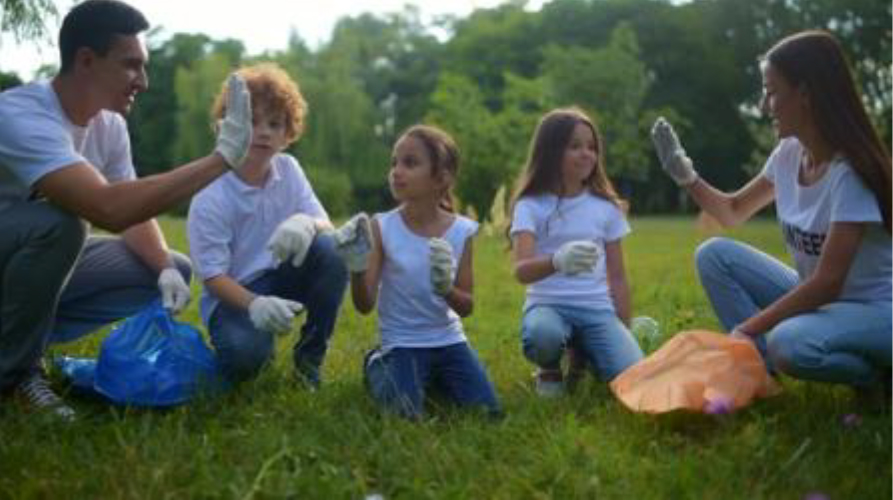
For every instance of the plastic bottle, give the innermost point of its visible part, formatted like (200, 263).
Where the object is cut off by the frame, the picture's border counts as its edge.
(647, 332)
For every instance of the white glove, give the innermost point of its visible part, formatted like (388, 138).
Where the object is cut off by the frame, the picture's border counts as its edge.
(575, 257)
(353, 242)
(672, 157)
(273, 314)
(234, 130)
(175, 293)
(441, 261)
(292, 239)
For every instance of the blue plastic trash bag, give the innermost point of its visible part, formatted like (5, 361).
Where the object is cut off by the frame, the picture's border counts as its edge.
(149, 360)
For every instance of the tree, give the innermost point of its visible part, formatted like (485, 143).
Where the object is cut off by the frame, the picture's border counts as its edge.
(25, 19)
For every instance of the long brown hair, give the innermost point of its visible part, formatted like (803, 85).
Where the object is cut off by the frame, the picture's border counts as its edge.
(815, 62)
(444, 155)
(543, 173)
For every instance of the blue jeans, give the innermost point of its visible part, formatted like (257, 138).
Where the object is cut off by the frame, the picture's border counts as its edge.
(397, 379)
(841, 342)
(58, 284)
(318, 283)
(598, 335)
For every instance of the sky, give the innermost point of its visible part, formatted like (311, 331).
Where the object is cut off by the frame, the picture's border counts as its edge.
(260, 24)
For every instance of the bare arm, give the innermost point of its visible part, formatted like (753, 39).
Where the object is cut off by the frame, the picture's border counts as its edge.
(529, 267)
(735, 208)
(229, 291)
(617, 282)
(147, 241)
(80, 189)
(461, 297)
(364, 285)
(823, 287)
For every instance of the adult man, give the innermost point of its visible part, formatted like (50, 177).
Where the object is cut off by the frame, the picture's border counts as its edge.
(65, 162)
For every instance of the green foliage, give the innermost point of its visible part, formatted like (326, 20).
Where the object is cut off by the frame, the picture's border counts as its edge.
(270, 439)
(195, 89)
(333, 189)
(26, 19)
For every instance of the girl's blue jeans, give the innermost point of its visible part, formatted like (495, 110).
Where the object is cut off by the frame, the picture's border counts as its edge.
(841, 342)
(399, 379)
(604, 341)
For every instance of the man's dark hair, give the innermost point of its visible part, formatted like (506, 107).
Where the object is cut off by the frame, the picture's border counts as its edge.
(95, 24)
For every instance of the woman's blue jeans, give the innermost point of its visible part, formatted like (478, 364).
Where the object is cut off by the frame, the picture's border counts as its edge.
(841, 342)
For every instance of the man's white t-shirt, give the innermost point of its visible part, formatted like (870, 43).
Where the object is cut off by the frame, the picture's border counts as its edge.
(36, 138)
(410, 314)
(554, 221)
(230, 223)
(807, 212)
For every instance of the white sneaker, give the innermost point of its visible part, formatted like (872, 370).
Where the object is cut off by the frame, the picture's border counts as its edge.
(549, 384)
(36, 392)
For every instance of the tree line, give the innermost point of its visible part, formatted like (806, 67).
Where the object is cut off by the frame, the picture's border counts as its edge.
(498, 70)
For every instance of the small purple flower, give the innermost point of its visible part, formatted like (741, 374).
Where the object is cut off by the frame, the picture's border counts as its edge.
(816, 495)
(720, 405)
(851, 420)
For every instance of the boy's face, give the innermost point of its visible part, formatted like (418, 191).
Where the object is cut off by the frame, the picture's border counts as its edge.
(269, 133)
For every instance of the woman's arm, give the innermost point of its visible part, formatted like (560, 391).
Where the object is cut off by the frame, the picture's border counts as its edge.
(617, 283)
(823, 287)
(364, 285)
(529, 267)
(735, 208)
(461, 297)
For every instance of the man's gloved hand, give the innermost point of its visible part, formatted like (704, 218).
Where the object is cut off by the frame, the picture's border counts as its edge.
(175, 293)
(234, 130)
(292, 239)
(441, 261)
(671, 154)
(353, 242)
(575, 257)
(273, 314)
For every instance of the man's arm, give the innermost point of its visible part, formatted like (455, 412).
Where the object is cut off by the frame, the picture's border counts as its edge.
(80, 189)
(147, 241)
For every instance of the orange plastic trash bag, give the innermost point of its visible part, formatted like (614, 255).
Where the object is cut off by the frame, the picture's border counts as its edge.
(698, 371)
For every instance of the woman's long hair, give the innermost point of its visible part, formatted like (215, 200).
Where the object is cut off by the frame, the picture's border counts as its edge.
(814, 61)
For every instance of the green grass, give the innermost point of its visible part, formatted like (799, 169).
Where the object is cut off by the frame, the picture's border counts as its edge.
(270, 439)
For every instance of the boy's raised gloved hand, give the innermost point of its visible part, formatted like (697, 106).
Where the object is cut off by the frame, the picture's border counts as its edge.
(671, 154)
(234, 130)
(175, 293)
(292, 239)
(441, 261)
(353, 242)
(575, 257)
(273, 314)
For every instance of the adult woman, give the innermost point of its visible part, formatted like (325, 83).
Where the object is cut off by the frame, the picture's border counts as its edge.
(829, 176)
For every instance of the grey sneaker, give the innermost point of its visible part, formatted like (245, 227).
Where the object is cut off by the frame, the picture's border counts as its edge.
(36, 392)
(549, 384)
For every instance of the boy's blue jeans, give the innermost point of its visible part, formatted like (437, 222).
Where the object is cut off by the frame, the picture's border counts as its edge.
(398, 378)
(841, 342)
(599, 335)
(318, 283)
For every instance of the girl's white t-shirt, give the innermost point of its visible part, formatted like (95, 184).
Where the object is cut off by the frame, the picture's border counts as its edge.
(410, 314)
(554, 221)
(807, 212)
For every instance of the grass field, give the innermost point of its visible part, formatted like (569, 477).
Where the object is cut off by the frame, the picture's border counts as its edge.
(270, 439)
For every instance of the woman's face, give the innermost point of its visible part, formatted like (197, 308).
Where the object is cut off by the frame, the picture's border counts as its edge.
(579, 158)
(784, 103)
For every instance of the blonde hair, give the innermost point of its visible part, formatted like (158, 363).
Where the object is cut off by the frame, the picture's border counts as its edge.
(272, 87)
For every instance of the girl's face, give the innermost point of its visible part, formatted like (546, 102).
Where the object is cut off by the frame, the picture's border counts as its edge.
(785, 104)
(268, 136)
(410, 177)
(579, 159)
